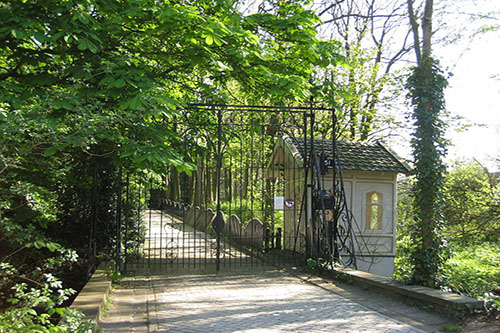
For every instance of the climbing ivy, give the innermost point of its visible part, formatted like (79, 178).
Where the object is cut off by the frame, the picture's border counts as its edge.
(426, 86)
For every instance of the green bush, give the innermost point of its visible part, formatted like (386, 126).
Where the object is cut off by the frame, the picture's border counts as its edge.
(245, 209)
(402, 263)
(471, 212)
(36, 303)
(474, 270)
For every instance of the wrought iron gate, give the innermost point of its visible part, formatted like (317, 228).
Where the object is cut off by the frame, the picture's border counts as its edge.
(251, 199)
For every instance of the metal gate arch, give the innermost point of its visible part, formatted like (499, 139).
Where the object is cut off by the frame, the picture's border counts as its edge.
(224, 214)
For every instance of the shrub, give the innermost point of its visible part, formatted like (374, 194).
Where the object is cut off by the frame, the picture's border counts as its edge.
(402, 263)
(474, 270)
(36, 302)
(245, 209)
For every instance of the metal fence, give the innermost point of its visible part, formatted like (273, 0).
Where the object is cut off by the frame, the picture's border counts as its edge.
(227, 211)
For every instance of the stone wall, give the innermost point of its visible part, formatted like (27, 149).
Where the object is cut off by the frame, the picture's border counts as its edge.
(252, 234)
(199, 219)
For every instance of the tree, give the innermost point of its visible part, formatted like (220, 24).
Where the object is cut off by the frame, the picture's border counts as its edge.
(426, 85)
(471, 211)
(374, 36)
(90, 90)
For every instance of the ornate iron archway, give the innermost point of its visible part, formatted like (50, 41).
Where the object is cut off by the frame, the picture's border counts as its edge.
(193, 220)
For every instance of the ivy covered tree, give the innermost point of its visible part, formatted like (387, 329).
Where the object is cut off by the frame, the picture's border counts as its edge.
(426, 85)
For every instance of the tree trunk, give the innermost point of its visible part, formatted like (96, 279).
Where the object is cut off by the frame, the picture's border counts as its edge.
(426, 85)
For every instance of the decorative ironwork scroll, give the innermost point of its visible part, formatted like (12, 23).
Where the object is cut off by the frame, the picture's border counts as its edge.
(332, 218)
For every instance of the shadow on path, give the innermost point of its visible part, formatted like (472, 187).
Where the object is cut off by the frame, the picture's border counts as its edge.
(260, 299)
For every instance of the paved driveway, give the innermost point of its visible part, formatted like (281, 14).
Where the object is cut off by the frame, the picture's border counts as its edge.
(261, 300)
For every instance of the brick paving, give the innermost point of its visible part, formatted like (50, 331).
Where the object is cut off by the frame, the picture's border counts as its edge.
(250, 299)
(171, 242)
(258, 300)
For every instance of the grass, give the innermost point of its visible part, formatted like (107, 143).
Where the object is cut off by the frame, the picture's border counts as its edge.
(451, 328)
(106, 306)
(474, 271)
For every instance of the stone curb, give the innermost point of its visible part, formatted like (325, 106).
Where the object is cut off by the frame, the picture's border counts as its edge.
(449, 304)
(92, 297)
(445, 302)
(383, 303)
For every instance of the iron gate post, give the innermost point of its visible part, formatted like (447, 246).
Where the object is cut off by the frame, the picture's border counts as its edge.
(93, 243)
(336, 216)
(118, 221)
(306, 199)
(127, 210)
(218, 222)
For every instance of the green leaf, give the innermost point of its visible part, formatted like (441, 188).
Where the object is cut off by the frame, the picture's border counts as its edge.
(83, 18)
(52, 246)
(313, 57)
(92, 47)
(209, 39)
(16, 33)
(60, 311)
(58, 35)
(136, 103)
(120, 83)
(217, 40)
(13, 301)
(38, 244)
(108, 80)
(31, 312)
(83, 45)
(50, 151)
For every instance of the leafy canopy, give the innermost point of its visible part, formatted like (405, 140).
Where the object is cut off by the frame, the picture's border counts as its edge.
(87, 86)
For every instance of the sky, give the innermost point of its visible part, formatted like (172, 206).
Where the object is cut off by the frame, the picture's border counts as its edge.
(474, 94)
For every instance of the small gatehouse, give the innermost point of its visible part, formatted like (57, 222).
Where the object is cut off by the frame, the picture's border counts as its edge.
(360, 178)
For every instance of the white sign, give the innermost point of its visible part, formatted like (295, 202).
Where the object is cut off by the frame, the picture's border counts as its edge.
(279, 203)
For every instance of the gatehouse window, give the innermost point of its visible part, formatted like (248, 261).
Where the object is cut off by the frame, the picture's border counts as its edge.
(374, 210)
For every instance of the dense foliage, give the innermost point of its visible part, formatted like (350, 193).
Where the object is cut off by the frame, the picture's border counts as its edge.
(474, 270)
(470, 224)
(471, 211)
(89, 92)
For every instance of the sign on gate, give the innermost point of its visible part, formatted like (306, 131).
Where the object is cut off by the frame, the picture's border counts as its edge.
(279, 203)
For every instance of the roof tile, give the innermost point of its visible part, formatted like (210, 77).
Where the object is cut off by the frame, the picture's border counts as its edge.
(357, 156)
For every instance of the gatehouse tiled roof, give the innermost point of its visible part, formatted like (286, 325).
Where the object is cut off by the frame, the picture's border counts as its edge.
(358, 156)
